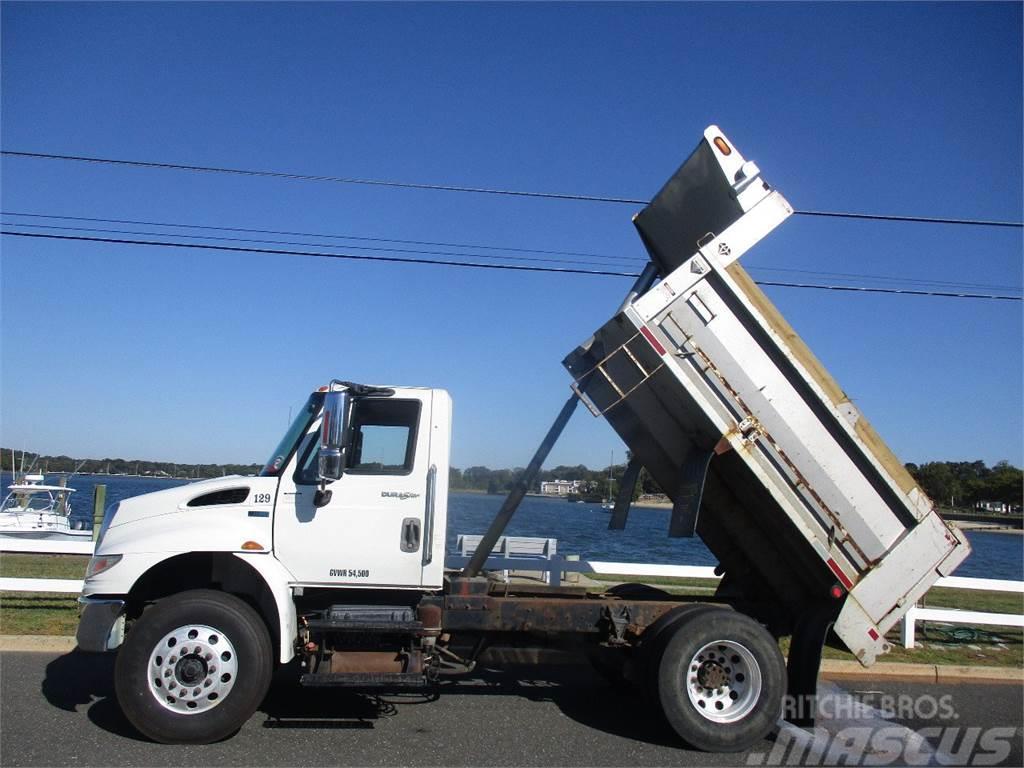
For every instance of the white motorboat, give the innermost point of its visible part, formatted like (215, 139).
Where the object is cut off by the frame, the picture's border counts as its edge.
(34, 510)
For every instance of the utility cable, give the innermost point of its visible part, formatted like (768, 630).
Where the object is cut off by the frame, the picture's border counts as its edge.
(476, 265)
(901, 291)
(621, 259)
(335, 255)
(307, 245)
(475, 190)
(890, 278)
(313, 234)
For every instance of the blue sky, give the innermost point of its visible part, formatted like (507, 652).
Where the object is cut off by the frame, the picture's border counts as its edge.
(186, 355)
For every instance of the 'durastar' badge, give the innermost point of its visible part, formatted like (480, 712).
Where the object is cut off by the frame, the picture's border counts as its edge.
(399, 495)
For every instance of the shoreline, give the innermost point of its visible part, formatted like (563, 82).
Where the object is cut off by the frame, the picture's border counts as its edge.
(963, 525)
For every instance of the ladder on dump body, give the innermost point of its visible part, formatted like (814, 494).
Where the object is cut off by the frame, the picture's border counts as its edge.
(622, 370)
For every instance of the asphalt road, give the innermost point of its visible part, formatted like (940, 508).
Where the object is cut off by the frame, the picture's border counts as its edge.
(60, 710)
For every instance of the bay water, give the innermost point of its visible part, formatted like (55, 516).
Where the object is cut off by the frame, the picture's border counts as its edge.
(580, 529)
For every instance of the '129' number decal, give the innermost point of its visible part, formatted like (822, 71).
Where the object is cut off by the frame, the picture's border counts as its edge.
(261, 498)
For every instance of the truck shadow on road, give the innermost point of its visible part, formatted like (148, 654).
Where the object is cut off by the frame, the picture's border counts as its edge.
(575, 692)
(78, 681)
(579, 694)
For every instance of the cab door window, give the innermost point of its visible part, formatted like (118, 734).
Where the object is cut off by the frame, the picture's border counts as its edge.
(382, 440)
(383, 437)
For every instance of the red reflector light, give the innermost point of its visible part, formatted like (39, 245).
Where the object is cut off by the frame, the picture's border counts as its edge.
(873, 634)
(839, 573)
(836, 591)
(654, 342)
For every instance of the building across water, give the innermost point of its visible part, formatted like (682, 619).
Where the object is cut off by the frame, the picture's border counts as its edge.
(560, 487)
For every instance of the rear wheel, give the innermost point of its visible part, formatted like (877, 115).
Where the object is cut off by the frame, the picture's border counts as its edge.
(721, 679)
(194, 667)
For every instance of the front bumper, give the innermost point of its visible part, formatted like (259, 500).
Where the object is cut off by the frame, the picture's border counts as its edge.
(101, 625)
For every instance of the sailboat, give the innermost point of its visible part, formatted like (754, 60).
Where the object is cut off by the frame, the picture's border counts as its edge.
(609, 503)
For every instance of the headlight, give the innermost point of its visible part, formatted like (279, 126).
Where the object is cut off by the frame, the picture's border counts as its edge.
(108, 516)
(100, 563)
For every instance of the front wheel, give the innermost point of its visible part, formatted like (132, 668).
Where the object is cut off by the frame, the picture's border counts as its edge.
(193, 668)
(721, 679)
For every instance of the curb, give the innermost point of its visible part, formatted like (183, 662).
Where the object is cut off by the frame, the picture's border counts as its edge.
(837, 669)
(37, 643)
(831, 669)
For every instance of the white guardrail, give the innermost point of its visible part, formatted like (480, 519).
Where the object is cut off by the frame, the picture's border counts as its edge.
(511, 555)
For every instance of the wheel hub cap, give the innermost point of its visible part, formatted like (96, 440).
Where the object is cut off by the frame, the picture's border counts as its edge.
(711, 675)
(192, 669)
(723, 681)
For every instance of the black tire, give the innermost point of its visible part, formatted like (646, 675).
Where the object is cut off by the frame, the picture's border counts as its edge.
(652, 647)
(721, 679)
(233, 625)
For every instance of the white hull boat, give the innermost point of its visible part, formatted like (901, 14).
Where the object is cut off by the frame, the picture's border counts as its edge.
(34, 510)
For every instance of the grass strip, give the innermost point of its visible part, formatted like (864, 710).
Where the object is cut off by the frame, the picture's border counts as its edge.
(32, 613)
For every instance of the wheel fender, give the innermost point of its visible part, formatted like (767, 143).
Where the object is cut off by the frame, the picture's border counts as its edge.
(277, 579)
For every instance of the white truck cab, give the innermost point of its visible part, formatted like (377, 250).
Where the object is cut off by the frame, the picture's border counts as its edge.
(380, 525)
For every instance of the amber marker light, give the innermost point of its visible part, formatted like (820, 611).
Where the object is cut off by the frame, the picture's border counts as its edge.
(252, 546)
(724, 148)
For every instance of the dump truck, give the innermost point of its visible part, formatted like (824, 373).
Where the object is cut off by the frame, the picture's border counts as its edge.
(331, 562)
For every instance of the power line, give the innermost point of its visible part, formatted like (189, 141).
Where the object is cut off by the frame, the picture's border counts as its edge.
(314, 234)
(348, 256)
(513, 267)
(626, 260)
(316, 177)
(476, 190)
(915, 219)
(902, 291)
(308, 245)
(891, 278)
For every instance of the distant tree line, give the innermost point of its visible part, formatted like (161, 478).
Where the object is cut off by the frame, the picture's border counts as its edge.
(966, 483)
(593, 481)
(952, 483)
(111, 466)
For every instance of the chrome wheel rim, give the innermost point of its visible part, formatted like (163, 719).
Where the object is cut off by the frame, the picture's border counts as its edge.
(723, 681)
(192, 669)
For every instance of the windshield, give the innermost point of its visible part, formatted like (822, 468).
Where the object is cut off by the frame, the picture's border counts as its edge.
(298, 428)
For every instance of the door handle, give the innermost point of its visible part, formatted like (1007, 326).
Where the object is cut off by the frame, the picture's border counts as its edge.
(410, 535)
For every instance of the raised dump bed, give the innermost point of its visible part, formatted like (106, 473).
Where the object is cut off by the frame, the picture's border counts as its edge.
(763, 454)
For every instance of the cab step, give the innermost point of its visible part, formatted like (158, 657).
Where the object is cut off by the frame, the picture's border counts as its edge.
(365, 680)
(367, 618)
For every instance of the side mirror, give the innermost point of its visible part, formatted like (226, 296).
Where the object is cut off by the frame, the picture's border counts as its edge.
(332, 435)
